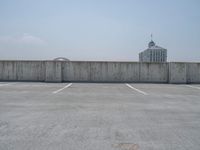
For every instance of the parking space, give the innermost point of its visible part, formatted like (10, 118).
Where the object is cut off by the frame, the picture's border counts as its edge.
(23, 87)
(194, 86)
(99, 116)
(169, 89)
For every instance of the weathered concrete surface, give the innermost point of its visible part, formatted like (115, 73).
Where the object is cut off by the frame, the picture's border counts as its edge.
(123, 72)
(53, 71)
(101, 71)
(30, 70)
(177, 72)
(193, 72)
(22, 70)
(115, 72)
(154, 72)
(8, 70)
(99, 117)
(76, 71)
(91, 71)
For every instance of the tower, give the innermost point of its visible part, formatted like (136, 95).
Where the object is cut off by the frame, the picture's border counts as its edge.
(153, 53)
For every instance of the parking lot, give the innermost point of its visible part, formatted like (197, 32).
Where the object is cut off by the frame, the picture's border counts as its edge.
(99, 116)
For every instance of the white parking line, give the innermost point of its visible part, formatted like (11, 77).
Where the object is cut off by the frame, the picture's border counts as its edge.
(142, 92)
(194, 87)
(68, 85)
(4, 84)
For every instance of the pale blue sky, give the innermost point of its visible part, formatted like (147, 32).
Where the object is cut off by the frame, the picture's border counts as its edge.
(98, 30)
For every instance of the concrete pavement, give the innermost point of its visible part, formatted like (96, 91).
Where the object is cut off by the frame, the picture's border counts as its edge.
(93, 116)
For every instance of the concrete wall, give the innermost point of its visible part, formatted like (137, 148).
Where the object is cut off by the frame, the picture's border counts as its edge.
(76, 71)
(193, 73)
(154, 72)
(22, 70)
(30, 71)
(177, 72)
(53, 72)
(101, 71)
(181, 72)
(87, 71)
(8, 70)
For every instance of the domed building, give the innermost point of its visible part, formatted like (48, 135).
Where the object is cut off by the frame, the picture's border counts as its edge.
(61, 59)
(153, 53)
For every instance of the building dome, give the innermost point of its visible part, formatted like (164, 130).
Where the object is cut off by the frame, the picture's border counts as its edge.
(151, 44)
(61, 59)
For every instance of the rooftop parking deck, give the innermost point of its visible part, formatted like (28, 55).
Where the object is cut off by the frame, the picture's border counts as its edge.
(99, 116)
